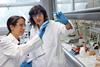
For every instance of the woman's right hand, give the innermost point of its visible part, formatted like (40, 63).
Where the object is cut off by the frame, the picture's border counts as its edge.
(60, 17)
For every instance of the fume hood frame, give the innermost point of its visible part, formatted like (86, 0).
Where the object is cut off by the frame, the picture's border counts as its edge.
(86, 14)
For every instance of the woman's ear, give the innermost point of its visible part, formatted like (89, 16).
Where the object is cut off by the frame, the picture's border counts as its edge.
(11, 27)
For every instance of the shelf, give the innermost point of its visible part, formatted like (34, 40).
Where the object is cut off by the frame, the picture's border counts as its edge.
(97, 9)
(87, 14)
(96, 30)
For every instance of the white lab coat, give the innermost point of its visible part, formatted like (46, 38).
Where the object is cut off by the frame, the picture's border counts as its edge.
(52, 39)
(11, 54)
(36, 55)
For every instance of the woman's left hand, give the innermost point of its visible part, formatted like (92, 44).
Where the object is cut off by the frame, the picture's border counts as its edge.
(26, 64)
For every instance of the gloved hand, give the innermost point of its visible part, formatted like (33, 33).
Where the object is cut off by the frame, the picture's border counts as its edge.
(26, 64)
(42, 28)
(61, 18)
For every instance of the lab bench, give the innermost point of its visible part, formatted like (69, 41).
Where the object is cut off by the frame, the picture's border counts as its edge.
(77, 60)
(87, 26)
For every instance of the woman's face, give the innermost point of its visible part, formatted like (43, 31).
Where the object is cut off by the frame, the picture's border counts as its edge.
(19, 28)
(39, 19)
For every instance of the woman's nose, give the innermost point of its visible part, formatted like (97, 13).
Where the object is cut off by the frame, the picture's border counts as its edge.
(37, 17)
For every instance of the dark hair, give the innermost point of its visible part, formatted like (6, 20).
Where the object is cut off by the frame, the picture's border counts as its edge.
(36, 10)
(13, 21)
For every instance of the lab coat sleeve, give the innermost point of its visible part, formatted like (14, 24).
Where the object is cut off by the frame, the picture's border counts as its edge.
(33, 44)
(63, 32)
(12, 50)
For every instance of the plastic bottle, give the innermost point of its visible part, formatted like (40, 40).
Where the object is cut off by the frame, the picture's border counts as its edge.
(82, 51)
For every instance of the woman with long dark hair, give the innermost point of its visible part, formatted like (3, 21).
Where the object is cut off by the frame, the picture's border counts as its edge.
(53, 33)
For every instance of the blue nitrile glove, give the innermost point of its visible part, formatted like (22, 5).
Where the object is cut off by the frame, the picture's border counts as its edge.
(42, 28)
(61, 18)
(26, 64)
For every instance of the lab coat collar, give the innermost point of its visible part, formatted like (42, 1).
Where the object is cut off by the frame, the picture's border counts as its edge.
(13, 39)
